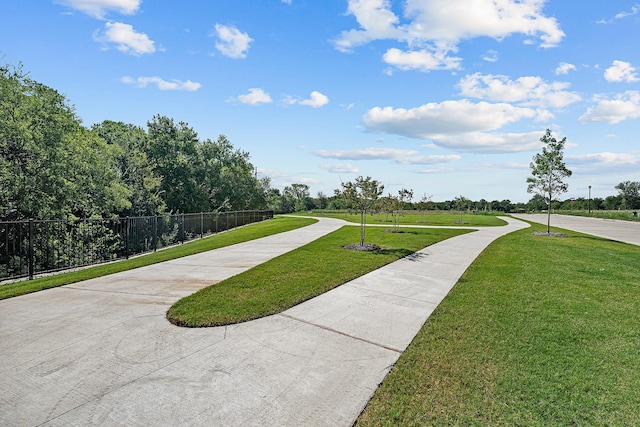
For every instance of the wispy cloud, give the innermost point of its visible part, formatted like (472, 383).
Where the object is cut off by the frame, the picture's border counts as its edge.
(162, 84)
(340, 168)
(400, 156)
(99, 8)
(633, 11)
(316, 99)
(231, 42)
(126, 39)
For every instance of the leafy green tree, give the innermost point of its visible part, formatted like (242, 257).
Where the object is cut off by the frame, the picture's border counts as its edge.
(50, 166)
(549, 172)
(173, 149)
(630, 193)
(361, 195)
(299, 194)
(133, 167)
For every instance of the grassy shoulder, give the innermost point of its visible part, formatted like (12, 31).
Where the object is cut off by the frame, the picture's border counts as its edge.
(299, 275)
(620, 215)
(538, 331)
(243, 234)
(451, 219)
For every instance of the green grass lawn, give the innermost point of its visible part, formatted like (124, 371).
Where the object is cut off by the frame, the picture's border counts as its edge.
(299, 275)
(538, 331)
(451, 219)
(621, 215)
(242, 234)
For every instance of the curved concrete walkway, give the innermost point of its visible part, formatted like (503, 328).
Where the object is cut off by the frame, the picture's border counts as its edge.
(101, 352)
(621, 231)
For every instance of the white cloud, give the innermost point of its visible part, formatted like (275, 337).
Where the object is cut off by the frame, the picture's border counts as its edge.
(99, 8)
(624, 106)
(435, 27)
(316, 100)
(340, 168)
(527, 91)
(162, 84)
(421, 60)
(255, 96)
(448, 117)
(286, 1)
(490, 56)
(400, 156)
(231, 41)
(634, 10)
(621, 71)
(606, 158)
(484, 142)
(126, 39)
(564, 68)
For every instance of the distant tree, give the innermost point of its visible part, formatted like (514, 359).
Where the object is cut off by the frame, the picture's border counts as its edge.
(549, 172)
(404, 196)
(424, 204)
(461, 203)
(323, 201)
(361, 195)
(299, 194)
(630, 193)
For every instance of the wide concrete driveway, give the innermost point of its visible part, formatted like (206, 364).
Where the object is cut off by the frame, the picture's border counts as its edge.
(101, 352)
(622, 231)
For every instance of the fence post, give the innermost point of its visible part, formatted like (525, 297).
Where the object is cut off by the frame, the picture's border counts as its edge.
(31, 263)
(126, 238)
(155, 232)
(201, 225)
(182, 228)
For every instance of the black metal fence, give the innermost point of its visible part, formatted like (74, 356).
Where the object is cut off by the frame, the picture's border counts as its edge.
(36, 246)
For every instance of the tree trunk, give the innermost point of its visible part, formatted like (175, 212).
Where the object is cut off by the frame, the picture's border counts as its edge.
(549, 218)
(363, 219)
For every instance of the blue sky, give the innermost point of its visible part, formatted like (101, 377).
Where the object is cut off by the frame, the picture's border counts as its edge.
(445, 97)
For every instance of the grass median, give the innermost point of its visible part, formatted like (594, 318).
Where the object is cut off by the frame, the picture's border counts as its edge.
(239, 235)
(539, 331)
(451, 219)
(299, 275)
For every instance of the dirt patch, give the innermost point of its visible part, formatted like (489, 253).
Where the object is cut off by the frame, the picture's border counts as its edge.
(367, 247)
(395, 230)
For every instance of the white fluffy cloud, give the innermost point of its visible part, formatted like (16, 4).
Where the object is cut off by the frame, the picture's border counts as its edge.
(448, 117)
(126, 39)
(564, 68)
(433, 28)
(315, 100)
(400, 156)
(231, 41)
(527, 91)
(162, 84)
(622, 107)
(621, 71)
(606, 162)
(99, 8)
(255, 96)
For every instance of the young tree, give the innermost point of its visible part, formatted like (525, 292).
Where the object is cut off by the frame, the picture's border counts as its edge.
(361, 195)
(423, 205)
(461, 202)
(549, 172)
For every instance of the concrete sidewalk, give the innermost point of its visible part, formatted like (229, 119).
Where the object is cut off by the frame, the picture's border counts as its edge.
(101, 352)
(622, 231)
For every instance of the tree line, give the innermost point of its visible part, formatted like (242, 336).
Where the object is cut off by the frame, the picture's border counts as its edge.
(51, 166)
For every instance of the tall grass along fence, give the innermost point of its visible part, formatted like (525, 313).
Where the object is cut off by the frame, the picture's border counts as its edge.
(33, 247)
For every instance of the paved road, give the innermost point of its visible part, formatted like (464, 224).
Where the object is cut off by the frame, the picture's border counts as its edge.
(622, 231)
(101, 352)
